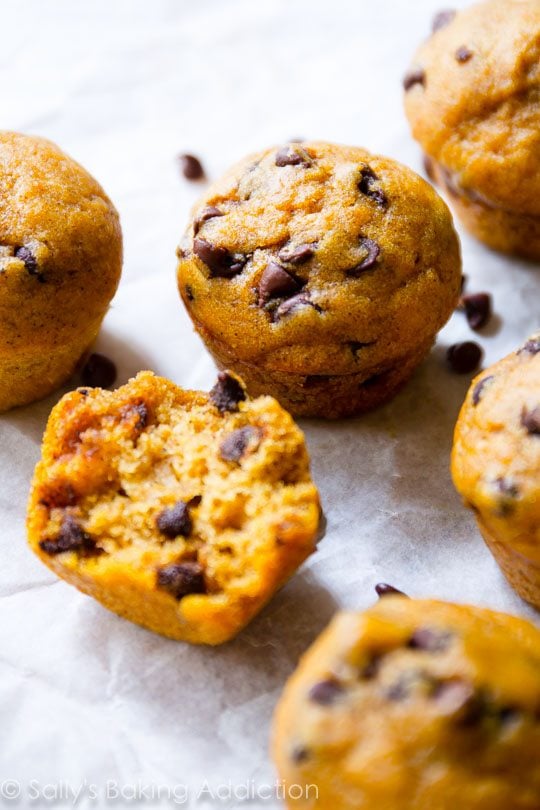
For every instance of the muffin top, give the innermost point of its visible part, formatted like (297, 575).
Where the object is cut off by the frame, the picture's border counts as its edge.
(60, 245)
(320, 259)
(416, 704)
(496, 454)
(473, 101)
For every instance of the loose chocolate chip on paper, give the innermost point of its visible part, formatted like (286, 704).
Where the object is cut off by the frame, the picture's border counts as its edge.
(233, 446)
(276, 282)
(191, 167)
(181, 579)
(175, 521)
(477, 308)
(98, 371)
(227, 393)
(478, 389)
(384, 589)
(463, 358)
(325, 692)
(531, 420)
(71, 537)
(414, 76)
(220, 262)
(463, 54)
(442, 19)
(367, 185)
(292, 156)
(296, 255)
(373, 253)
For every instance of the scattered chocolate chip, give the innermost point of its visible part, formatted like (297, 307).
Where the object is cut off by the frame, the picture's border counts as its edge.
(175, 521)
(478, 389)
(442, 19)
(367, 185)
(71, 537)
(296, 255)
(219, 260)
(276, 282)
(429, 640)
(189, 293)
(414, 76)
(531, 420)
(463, 54)
(233, 446)
(210, 212)
(227, 392)
(181, 579)
(477, 307)
(373, 253)
(98, 371)
(191, 167)
(299, 754)
(292, 156)
(29, 260)
(384, 589)
(290, 304)
(531, 347)
(463, 358)
(325, 692)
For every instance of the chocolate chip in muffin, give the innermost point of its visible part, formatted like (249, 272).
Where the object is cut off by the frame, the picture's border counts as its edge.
(299, 754)
(477, 308)
(28, 259)
(478, 389)
(531, 347)
(298, 254)
(71, 537)
(98, 371)
(227, 393)
(293, 303)
(137, 413)
(292, 156)
(442, 19)
(276, 282)
(189, 293)
(506, 487)
(181, 579)
(384, 589)
(175, 521)
(414, 76)
(463, 54)
(210, 212)
(463, 358)
(530, 419)
(233, 446)
(428, 639)
(371, 668)
(373, 253)
(221, 262)
(325, 692)
(191, 167)
(368, 186)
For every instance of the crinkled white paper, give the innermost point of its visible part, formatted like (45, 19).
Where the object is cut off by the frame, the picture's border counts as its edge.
(94, 711)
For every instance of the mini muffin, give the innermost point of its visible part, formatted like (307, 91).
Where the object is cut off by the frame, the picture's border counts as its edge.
(60, 263)
(178, 510)
(472, 102)
(321, 274)
(496, 463)
(414, 705)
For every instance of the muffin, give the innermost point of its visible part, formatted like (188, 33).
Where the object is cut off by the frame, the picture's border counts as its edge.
(472, 102)
(60, 263)
(414, 705)
(496, 463)
(178, 510)
(321, 274)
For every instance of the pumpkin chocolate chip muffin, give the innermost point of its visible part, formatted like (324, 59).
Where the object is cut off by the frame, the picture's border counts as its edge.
(414, 705)
(60, 263)
(321, 274)
(179, 510)
(472, 102)
(496, 463)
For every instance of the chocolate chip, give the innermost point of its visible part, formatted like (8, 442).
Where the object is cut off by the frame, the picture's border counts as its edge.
(139, 410)
(463, 54)
(71, 537)
(219, 260)
(296, 255)
(325, 692)
(98, 371)
(373, 253)
(227, 392)
(276, 282)
(464, 357)
(191, 167)
(442, 19)
(531, 347)
(210, 212)
(371, 669)
(384, 589)
(299, 754)
(296, 301)
(477, 307)
(414, 76)
(181, 579)
(429, 640)
(189, 293)
(175, 521)
(506, 488)
(367, 186)
(531, 420)
(233, 446)
(292, 156)
(29, 260)
(478, 389)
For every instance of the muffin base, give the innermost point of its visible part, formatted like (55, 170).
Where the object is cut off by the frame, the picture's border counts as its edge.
(522, 573)
(504, 231)
(320, 396)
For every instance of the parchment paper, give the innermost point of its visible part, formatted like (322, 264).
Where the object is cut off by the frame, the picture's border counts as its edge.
(86, 697)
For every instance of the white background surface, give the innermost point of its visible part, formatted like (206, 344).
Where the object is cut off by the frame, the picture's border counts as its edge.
(86, 697)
